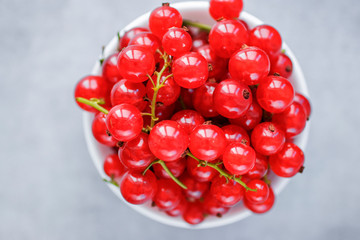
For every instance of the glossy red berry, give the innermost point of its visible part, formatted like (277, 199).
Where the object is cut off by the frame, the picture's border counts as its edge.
(235, 133)
(207, 142)
(227, 193)
(179, 209)
(137, 188)
(135, 63)
(203, 100)
(282, 65)
(147, 40)
(168, 94)
(197, 43)
(168, 141)
(260, 168)
(288, 161)
(249, 65)
(214, 207)
(267, 38)
(200, 173)
(162, 112)
(275, 94)
(91, 87)
(129, 92)
(195, 189)
(267, 138)
(260, 195)
(251, 118)
(238, 158)
(227, 9)
(176, 168)
(124, 41)
(163, 18)
(176, 42)
(124, 122)
(232, 98)
(110, 70)
(168, 194)
(292, 120)
(136, 154)
(227, 36)
(261, 207)
(190, 70)
(218, 65)
(299, 98)
(113, 167)
(188, 119)
(193, 213)
(99, 131)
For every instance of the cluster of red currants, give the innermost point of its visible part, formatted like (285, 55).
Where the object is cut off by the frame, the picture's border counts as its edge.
(199, 114)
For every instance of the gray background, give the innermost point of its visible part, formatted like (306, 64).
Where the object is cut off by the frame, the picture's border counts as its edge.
(49, 189)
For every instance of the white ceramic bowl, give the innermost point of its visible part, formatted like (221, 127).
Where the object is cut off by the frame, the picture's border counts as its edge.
(196, 11)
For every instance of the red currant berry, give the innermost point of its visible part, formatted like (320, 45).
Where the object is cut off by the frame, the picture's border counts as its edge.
(91, 87)
(251, 118)
(292, 120)
(235, 133)
(226, 192)
(168, 94)
(238, 158)
(124, 41)
(200, 173)
(179, 209)
(260, 168)
(275, 94)
(129, 92)
(99, 131)
(197, 43)
(203, 100)
(113, 167)
(168, 141)
(213, 207)
(288, 161)
(136, 154)
(261, 207)
(267, 138)
(190, 70)
(162, 112)
(137, 188)
(249, 65)
(207, 142)
(163, 18)
(282, 65)
(195, 189)
(193, 213)
(228, 9)
(147, 40)
(176, 42)
(267, 38)
(188, 119)
(110, 70)
(176, 168)
(218, 65)
(262, 191)
(244, 23)
(168, 194)
(135, 63)
(299, 98)
(124, 122)
(227, 36)
(232, 98)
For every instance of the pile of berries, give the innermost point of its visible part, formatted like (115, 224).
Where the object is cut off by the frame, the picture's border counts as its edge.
(198, 115)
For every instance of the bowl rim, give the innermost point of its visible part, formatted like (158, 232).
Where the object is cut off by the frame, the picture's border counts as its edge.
(96, 150)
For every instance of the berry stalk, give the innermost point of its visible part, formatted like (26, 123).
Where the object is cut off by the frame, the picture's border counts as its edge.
(93, 102)
(201, 26)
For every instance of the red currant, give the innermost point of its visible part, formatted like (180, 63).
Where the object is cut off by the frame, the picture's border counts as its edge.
(186, 96)
(113, 167)
(282, 65)
(267, 38)
(213, 207)
(227, 192)
(267, 138)
(288, 161)
(163, 18)
(203, 100)
(124, 122)
(110, 70)
(135, 63)
(228, 9)
(195, 189)
(238, 158)
(190, 70)
(126, 91)
(162, 112)
(218, 65)
(176, 42)
(260, 195)
(200, 174)
(261, 207)
(260, 168)
(168, 141)
(168, 94)
(179, 209)
(299, 98)
(176, 168)
(99, 131)
(188, 119)
(193, 213)
(147, 40)
(235, 133)
(275, 94)
(168, 194)
(124, 41)
(251, 118)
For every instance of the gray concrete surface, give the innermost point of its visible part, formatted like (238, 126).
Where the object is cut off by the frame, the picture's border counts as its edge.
(49, 188)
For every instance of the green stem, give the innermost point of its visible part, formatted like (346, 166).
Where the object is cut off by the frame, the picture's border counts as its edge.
(112, 181)
(93, 102)
(202, 26)
(221, 171)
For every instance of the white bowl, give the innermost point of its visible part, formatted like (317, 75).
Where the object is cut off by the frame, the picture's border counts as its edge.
(196, 11)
